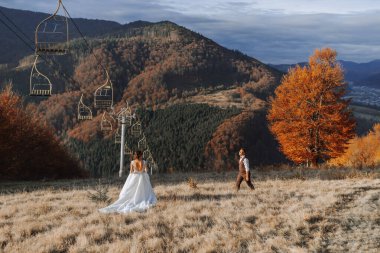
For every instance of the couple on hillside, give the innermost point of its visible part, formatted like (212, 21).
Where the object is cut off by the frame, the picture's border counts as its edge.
(137, 193)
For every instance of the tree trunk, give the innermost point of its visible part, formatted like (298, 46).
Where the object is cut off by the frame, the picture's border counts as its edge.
(314, 162)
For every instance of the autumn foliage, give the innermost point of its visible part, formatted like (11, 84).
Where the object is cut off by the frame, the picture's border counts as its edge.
(249, 130)
(308, 115)
(28, 148)
(221, 150)
(362, 151)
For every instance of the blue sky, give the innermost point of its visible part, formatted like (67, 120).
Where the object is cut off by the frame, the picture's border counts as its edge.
(273, 31)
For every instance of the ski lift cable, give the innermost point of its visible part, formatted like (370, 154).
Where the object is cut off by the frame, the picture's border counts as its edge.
(11, 29)
(83, 37)
(16, 26)
(68, 78)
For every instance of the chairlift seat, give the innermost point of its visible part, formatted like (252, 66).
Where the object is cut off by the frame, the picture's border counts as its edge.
(55, 51)
(136, 129)
(127, 150)
(117, 137)
(84, 112)
(126, 116)
(80, 117)
(150, 160)
(52, 34)
(40, 92)
(146, 154)
(40, 84)
(103, 96)
(103, 104)
(142, 143)
(105, 125)
(127, 120)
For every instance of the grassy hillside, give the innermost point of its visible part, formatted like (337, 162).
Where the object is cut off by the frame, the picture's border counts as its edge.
(290, 211)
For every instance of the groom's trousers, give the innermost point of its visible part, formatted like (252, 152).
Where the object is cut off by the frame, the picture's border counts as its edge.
(242, 176)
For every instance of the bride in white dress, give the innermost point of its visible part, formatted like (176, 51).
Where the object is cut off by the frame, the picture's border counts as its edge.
(137, 193)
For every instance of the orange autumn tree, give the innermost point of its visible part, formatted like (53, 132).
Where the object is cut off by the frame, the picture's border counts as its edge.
(362, 151)
(308, 115)
(29, 150)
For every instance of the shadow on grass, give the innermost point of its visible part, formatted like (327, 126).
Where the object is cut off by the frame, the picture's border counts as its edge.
(196, 197)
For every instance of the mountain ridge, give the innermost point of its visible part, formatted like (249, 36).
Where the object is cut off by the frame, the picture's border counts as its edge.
(358, 74)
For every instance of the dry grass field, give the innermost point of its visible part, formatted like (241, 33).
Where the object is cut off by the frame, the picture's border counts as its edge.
(222, 99)
(290, 211)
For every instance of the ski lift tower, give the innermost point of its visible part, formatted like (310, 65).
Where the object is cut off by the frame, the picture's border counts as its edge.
(125, 120)
(123, 123)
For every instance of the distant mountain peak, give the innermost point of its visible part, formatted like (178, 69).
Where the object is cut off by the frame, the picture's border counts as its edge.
(359, 74)
(137, 24)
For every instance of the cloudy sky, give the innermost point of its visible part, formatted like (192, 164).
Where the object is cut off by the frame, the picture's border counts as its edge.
(273, 31)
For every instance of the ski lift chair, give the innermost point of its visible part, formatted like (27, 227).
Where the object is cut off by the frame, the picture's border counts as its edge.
(52, 34)
(105, 124)
(146, 154)
(84, 112)
(40, 84)
(136, 129)
(142, 144)
(103, 96)
(127, 150)
(117, 136)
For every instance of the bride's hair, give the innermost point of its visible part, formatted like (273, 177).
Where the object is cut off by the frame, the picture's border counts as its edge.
(137, 154)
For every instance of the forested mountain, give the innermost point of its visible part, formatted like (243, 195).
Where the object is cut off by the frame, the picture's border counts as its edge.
(155, 67)
(176, 136)
(358, 73)
(149, 64)
(372, 81)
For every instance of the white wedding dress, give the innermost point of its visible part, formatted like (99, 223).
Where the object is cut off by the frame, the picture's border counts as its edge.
(137, 193)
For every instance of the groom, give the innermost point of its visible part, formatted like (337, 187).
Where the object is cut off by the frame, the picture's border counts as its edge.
(244, 173)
